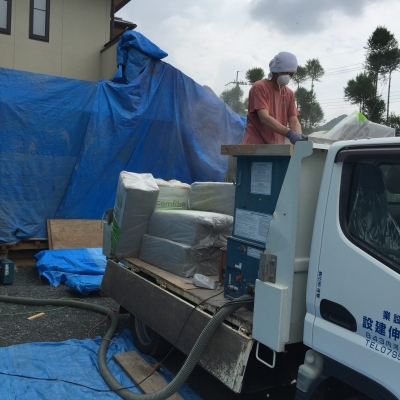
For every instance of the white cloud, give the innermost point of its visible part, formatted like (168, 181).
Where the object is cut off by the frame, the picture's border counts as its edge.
(211, 40)
(293, 16)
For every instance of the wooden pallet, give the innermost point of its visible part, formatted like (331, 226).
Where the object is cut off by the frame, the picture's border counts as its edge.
(8, 250)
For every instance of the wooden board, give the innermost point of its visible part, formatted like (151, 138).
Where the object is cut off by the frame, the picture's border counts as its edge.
(257, 149)
(182, 283)
(74, 233)
(138, 369)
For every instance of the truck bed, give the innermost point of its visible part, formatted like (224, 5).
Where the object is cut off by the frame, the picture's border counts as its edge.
(242, 319)
(163, 301)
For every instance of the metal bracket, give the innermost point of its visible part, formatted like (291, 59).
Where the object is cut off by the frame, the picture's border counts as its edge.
(267, 269)
(240, 180)
(245, 329)
(272, 366)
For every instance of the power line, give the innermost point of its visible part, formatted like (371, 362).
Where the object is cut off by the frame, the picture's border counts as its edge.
(343, 66)
(335, 99)
(342, 105)
(345, 71)
(332, 98)
(332, 103)
(339, 72)
(341, 100)
(337, 54)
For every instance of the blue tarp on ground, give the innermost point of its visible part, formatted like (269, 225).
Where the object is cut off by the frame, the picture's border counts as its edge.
(72, 360)
(64, 142)
(81, 270)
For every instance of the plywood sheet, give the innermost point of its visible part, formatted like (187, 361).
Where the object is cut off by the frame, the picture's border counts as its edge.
(74, 233)
(138, 369)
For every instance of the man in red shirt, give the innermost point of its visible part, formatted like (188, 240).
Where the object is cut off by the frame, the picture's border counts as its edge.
(271, 105)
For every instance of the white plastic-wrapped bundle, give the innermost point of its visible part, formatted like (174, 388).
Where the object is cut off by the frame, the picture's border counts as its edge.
(173, 194)
(178, 258)
(135, 202)
(355, 126)
(198, 229)
(218, 197)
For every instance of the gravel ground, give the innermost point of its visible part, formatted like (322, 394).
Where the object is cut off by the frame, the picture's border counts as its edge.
(66, 323)
(55, 326)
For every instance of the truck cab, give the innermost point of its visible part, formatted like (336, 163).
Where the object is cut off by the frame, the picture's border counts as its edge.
(352, 321)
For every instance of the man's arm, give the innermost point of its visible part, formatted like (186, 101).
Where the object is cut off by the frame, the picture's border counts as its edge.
(277, 127)
(294, 124)
(272, 123)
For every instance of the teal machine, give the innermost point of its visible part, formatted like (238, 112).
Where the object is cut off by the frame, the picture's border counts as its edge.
(6, 271)
(259, 179)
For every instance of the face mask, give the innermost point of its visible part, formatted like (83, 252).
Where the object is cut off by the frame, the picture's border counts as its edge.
(283, 80)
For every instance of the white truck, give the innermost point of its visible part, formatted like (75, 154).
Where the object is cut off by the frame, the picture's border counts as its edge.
(327, 298)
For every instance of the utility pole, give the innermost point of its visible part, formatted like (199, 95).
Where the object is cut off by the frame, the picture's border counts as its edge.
(236, 82)
(237, 78)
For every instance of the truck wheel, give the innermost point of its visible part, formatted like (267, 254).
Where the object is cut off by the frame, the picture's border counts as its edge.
(146, 340)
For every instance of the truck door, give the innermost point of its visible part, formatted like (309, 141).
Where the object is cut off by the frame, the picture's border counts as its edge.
(356, 286)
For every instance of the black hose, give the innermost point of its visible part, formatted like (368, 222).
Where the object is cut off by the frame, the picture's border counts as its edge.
(106, 374)
(187, 367)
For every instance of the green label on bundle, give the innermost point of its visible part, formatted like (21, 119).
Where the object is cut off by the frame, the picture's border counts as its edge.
(171, 204)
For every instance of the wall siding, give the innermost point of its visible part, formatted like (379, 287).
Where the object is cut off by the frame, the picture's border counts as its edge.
(78, 31)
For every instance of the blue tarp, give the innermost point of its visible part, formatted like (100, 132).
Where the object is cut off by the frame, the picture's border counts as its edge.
(43, 122)
(73, 361)
(81, 270)
(134, 54)
(64, 141)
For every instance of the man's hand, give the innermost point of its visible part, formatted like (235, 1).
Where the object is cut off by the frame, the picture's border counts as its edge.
(294, 136)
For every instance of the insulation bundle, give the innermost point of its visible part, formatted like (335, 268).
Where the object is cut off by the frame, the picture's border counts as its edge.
(198, 229)
(173, 194)
(135, 202)
(218, 197)
(178, 258)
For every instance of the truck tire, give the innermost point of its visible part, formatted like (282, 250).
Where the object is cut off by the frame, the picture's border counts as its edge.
(146, 340)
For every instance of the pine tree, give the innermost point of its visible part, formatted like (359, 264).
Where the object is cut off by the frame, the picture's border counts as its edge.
(300, 76)
(314, 71)
(361, 91)
(234, 98)
(255, 74)
(311, 113)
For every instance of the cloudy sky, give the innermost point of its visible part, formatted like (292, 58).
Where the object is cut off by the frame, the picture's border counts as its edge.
(210, 40)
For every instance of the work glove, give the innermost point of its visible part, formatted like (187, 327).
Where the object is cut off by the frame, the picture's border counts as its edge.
(295, 137)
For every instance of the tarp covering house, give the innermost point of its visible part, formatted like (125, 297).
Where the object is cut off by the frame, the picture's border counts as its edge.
(65, 141)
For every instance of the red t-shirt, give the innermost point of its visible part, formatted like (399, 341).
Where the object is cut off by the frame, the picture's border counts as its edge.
(281, 107)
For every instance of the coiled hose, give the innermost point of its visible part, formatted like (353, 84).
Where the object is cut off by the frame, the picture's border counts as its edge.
(106, 374)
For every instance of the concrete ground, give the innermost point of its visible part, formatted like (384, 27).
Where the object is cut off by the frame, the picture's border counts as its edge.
(59, 324)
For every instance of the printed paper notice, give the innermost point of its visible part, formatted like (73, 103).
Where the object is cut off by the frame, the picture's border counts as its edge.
(261, 178)
(252, 225)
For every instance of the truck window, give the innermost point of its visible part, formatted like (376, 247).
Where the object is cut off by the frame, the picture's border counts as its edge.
(373, 209)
